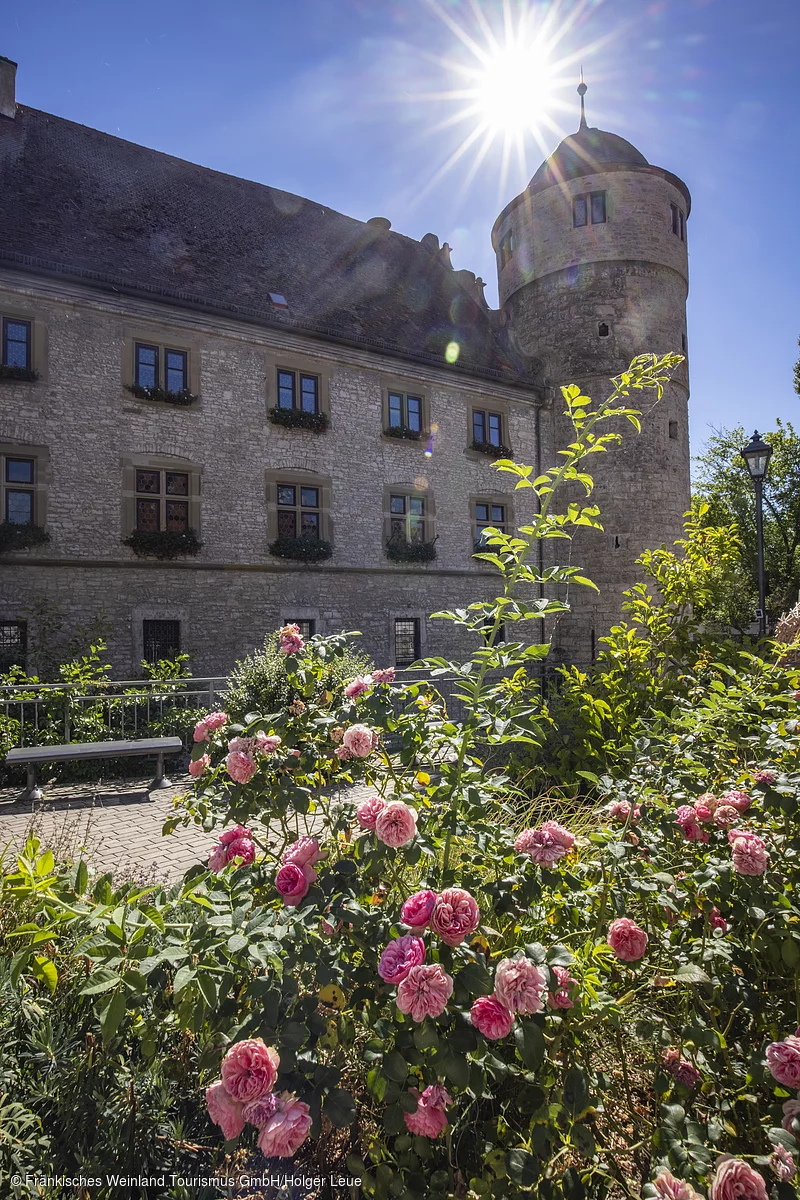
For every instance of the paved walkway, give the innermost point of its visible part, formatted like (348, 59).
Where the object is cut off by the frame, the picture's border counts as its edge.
(114, 825)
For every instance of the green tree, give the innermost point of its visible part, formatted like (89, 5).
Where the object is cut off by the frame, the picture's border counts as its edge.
(723, 484)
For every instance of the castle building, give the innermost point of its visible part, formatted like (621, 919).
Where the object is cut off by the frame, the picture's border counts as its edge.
(224, 407)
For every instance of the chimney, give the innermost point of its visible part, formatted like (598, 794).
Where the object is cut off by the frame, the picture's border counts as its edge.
(8, 75)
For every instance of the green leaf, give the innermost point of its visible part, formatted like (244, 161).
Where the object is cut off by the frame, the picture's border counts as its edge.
(522, 1167)
(102, 979)
(111, 1016)
(208, 989)
(530, 1044)
(395, 1067)
(340, 1108)
(691, 973)
(576, 1092)
(46, 970)
(294, 1035)
(183, 977)
(45, 864)
(426, 1036)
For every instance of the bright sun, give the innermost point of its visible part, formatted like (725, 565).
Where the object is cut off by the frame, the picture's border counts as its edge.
(514, 88)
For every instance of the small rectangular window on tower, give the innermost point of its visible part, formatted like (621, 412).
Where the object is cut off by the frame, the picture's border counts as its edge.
(598, 208)
(673, 430)
(579, 211)
(506, 250)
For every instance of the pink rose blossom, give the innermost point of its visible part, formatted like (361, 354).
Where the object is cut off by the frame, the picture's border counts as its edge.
(343, 753)
(783, 1060)
(224, 1110)
(290, 639)
(328, 928)
(258, 1112)
(748, 852)
(717, 921)
(305, 853)
(396, 824)
(738, 800)
(383, 675)
(687, 1074)
(619, 810)
(244, 745)
(519, 985)
(234, 833)
(561, 835)
(670, 1188)
(266, 743)
(425, 991)
(358, 739)
(791, 1110)
(725, 816)
(199, 766)
(399, 957)
(543, 846)
(491, 1018)
(293, 753)
(417, 909)
(369, 810)
(671, 1059)
(285, 1131)
(782, 1164)
(292, 883)
(736, 1180)
(243, 848)
(241, 767)
(209, 724)
(218, 858)
(250, 1069)
(356, 687)
(703, 811)
(430, 1118)
(627, 940)
(796, 695)
(687, 818)
(455, 915)
(200, 732)
(561, 998)
(766, 776)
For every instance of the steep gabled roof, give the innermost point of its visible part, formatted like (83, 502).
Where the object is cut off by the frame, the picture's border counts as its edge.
(92, 206)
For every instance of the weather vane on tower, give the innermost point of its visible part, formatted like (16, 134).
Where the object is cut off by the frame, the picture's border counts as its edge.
(582, 90)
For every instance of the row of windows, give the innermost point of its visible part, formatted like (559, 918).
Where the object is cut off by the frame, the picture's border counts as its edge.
(162, 639)
(160, 367)
(590, 208)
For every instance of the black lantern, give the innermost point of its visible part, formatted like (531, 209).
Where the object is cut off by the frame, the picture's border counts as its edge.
(757, 455)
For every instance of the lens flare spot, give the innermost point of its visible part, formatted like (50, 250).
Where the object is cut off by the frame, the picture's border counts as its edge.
(421, 483)
(452, 352)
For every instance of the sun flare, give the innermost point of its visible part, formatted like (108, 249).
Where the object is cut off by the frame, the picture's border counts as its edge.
(514, 88)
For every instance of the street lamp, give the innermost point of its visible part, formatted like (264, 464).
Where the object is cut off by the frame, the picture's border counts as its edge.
(757, 455)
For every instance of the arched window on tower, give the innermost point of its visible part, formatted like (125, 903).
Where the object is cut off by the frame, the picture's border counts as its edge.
(603, 330)
(506, 250)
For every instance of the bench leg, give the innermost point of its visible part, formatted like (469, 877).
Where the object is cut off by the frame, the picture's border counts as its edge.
(160, 780)
(32, 791)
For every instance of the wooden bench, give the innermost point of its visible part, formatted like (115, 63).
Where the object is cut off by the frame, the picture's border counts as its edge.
(32, 756)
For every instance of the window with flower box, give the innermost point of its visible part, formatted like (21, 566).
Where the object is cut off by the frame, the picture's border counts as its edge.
(404, 415)
(23, 496)
(299, 401)
(161, 506)
(488, 428)
(409, 524)
(299, 515)
(487, 514)
(16, 349)
(161, 372)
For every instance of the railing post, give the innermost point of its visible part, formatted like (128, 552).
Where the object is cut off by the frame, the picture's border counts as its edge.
(67, 714)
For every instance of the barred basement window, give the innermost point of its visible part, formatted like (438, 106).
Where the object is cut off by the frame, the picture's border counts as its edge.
(305, 397)
(406, 641)
(298, 510)
(160, 639)
(162, 500)
(13, 644)
(307, 628)
(16, 343)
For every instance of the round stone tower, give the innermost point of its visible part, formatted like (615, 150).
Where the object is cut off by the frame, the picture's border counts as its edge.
(592, 268)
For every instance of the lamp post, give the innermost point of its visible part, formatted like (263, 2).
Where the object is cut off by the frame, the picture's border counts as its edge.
(757, 455)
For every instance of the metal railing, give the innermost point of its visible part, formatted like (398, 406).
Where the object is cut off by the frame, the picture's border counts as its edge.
(116, 709)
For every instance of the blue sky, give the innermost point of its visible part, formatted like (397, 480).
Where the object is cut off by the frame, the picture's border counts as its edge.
(344, 101)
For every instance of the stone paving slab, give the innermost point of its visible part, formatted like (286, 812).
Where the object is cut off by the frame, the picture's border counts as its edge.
(114, 825)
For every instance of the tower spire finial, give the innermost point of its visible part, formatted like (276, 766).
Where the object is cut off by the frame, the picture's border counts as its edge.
(582, 90)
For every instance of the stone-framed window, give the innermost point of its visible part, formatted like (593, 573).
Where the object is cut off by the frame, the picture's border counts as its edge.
(488, 427)
(407, 642)
(154, 367)
(677, 221)
(13, 644)
(506, 249)
(589, 208)
(489, 512)
(298, 504)
(160, 493)
(17, 343)
(161, 360)
(408, 514)
(298, 389)
(404, 411)
(160, 639)
(23, 484)
(23, 336)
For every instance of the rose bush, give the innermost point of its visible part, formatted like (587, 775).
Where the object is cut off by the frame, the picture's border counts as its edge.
(438, 984)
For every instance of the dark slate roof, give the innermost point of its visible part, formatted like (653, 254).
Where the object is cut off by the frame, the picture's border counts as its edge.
(583, 153)
(87, 205)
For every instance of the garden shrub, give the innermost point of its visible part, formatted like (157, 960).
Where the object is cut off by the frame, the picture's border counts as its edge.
(259, 683)
(423, 986)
